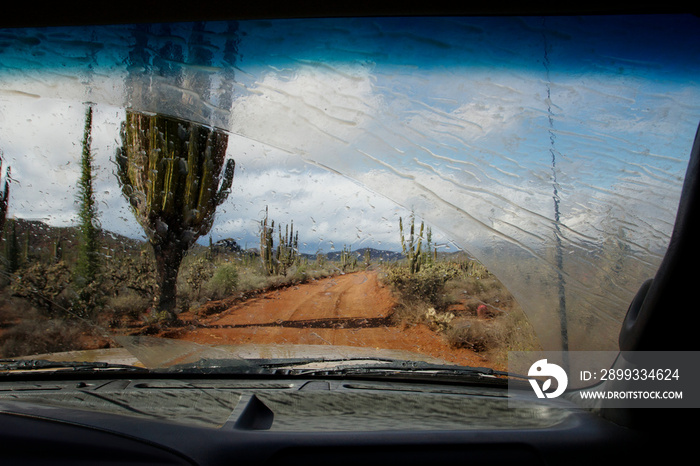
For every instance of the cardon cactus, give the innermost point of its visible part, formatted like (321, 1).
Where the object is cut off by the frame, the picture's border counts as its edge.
(287, 248)
(412, 247)
(170, 171)
(347, 259)
(267, 255)
(277, 260)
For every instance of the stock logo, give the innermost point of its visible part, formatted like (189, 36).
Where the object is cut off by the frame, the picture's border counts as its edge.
(542, 368)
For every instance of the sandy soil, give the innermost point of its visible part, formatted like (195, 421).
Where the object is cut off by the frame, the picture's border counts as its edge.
(350, 310)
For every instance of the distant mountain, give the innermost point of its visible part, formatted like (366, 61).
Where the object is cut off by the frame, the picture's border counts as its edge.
(374, 254)
(37, 239)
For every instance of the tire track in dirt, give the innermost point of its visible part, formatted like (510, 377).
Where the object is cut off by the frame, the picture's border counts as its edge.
(349, 310)
(347, 296)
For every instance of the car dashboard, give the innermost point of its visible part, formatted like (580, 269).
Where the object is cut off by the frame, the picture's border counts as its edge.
(230, 421)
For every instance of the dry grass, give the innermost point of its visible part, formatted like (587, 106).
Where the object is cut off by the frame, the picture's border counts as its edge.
(409, 313)
(509, 331)
(40, 336)
(129, 304)
(27, 331)
(450, 308)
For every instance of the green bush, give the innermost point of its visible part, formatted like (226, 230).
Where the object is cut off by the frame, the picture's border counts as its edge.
(195, 273)
(223, 282)
(300, 274)
(251, 279)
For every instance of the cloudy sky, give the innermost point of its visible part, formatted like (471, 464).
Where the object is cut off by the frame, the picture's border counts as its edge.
(452, 117)
(489, 128)
(329, 210)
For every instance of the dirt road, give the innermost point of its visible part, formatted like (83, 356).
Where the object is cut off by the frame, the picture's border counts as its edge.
(350, 310)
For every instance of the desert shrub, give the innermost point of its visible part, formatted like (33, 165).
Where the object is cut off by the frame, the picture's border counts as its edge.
(424, 297)
(255, 278)
(252, 278)
(129, 303)
(41, 336)
(223, 282)
(515, 334)
(473, 334)
(300, 273)
(194, 275)
(409, 313)
(131, 273)
(474, 269)
(418, 312)
(509, 332)
(85, 301)
(51, 289)
(46, 287)
(427, 285)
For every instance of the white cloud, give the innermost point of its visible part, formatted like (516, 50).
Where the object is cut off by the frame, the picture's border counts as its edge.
(318, 108)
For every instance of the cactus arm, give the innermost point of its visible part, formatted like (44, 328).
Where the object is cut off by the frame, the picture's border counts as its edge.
(420, 240)
(155, 176)
(403, 242)
(412, 248)
(207, 176)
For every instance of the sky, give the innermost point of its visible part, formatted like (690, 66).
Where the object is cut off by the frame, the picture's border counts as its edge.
(488, 128)
(361, 98)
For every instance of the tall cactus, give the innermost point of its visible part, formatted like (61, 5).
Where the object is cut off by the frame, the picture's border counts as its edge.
(412, 247)
(347, 259)
(88, 258)
(169, 171)
(430, 253)
(267, 255)
(277, 260)
(287, 248)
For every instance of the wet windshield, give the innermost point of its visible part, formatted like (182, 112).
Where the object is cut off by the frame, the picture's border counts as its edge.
(437, 189)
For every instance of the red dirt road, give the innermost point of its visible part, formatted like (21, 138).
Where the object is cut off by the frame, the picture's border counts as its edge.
(349, 310)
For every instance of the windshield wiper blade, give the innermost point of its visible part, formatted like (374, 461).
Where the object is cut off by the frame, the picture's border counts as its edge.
(372, 366)
(21, 365)
(351, 367)
(275, 366)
